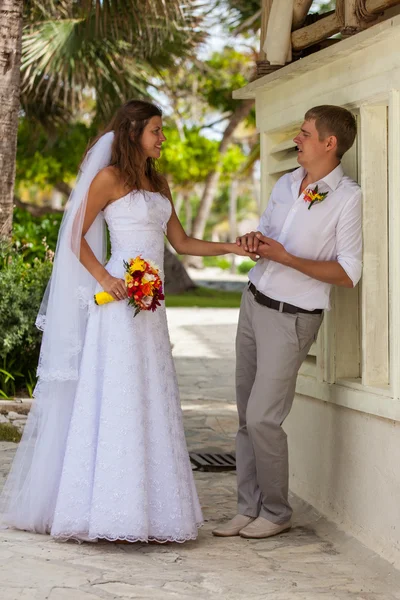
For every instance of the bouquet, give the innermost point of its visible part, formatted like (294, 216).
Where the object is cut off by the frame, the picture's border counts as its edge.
(143, 284)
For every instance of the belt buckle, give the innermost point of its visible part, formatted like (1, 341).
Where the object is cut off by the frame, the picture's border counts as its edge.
(280, 309)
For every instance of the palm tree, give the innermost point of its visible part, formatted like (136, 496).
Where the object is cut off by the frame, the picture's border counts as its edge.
(10, 57)
(71, 48)
(105, 46)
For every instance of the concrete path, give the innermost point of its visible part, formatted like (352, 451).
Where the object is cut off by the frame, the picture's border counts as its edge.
(314, 561)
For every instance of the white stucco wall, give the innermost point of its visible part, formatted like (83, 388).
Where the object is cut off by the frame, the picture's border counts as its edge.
(346, 464)
(344, 429)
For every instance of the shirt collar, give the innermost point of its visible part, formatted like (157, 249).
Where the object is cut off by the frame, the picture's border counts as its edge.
(332, 180)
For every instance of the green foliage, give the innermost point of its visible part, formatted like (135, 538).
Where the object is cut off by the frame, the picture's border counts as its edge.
(244, 267)
(44, 161)
(241, 11)
(217, 261)
(9, 433)
(225, 71)
(233, 161)
(188, 160)
(34, 236)
(22, 286)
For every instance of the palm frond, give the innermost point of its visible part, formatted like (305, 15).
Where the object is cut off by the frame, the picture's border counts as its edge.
(110, 46)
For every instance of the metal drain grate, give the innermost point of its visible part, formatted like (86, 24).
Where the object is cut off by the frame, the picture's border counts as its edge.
(204, 461)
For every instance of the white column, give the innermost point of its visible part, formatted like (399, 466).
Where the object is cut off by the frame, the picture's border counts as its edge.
(375, 299)
(394, 239)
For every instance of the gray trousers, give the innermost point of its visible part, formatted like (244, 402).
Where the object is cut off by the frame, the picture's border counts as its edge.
(270, 347)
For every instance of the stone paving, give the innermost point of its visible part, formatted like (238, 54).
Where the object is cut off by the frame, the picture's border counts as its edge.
(314, 561)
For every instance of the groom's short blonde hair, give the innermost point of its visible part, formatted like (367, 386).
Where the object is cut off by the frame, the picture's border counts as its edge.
(337, 121)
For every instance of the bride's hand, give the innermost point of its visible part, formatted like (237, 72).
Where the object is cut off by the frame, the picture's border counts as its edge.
(114, 286)
(240, 251)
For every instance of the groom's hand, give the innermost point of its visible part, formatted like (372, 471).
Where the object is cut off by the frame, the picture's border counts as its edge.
(271, 249)
(240, 251)
(249, 241)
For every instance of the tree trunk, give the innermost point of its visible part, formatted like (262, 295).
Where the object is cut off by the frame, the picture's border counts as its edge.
(178, 202)
(64, 188)
(177, 280)
(199, 225)
(233, 218)
(10, 60)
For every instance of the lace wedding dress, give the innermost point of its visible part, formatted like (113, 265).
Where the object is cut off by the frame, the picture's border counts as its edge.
(124, 472)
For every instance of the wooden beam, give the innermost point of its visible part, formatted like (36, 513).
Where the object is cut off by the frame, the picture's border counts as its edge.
(265, 12)
(377, 6)
(312, 34)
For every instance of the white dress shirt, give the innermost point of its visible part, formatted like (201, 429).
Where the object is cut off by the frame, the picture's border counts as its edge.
(329, 230)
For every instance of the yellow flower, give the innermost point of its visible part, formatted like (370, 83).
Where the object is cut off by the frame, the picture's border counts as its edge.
(128, 278)
(103, 298)
(137, 264)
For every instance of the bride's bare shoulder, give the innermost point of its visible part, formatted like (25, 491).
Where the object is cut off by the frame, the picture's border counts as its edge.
(109, 175)
(108, 180)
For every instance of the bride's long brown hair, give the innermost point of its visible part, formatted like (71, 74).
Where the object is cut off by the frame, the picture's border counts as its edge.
(127, 154)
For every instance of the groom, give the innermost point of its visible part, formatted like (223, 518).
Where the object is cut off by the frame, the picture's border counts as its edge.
(309, 239)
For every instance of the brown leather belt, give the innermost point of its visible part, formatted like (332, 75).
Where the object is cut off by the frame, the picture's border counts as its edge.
(280, 306)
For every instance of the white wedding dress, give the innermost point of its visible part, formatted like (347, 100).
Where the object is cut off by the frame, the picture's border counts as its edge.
(125, 472)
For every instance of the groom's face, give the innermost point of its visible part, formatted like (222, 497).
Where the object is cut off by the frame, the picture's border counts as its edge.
(311, 150)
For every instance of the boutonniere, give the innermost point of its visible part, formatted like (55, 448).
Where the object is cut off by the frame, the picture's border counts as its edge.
(313, 196)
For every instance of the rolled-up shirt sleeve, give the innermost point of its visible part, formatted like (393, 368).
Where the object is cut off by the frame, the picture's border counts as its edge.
(349, 238)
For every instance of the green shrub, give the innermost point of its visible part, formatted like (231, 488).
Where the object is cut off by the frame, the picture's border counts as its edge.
(29, 233)
(244, 267)
(22, 286)
(9, 433)
(217, 261)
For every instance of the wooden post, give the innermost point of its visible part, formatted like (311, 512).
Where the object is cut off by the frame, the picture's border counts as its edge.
(352, 23)
(340, 11)
(300, 11)
(278, 42)
(263, 65)
(266, 6)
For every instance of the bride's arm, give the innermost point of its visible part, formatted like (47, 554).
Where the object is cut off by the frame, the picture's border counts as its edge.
(184, 244)
(101, 191)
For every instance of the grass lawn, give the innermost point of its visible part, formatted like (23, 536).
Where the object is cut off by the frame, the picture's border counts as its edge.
(205, 298)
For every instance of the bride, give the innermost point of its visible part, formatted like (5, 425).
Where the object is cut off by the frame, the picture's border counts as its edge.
(103, 455)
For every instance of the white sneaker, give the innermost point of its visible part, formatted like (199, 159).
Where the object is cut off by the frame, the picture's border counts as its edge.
(233, 526)
(262, 528)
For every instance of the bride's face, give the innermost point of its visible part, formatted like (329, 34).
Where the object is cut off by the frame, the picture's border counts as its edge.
(153, 138)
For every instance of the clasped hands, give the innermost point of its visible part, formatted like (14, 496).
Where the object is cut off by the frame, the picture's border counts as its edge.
(260, 246)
